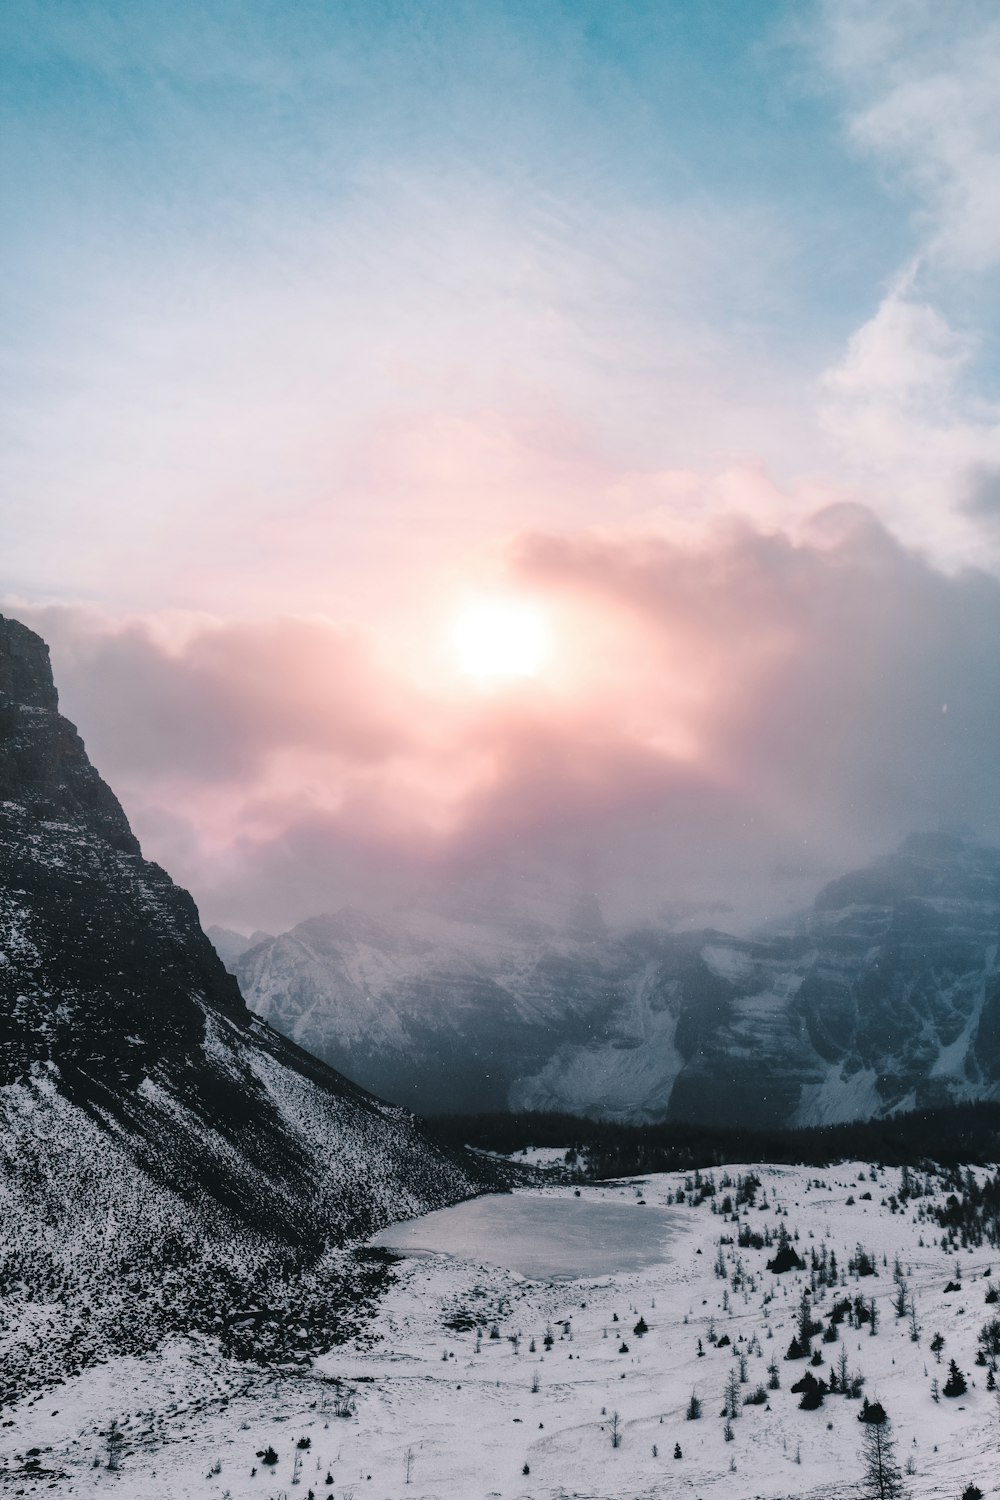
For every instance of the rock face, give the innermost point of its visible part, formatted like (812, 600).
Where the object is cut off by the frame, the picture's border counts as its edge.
(886, 996)
(134, 1082)
(105, 971)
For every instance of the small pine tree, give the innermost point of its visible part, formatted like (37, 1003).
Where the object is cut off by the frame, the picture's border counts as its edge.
(115, 1440)
(882, 1478)
(805, 1324)
(955, 1385)
(693, 1408)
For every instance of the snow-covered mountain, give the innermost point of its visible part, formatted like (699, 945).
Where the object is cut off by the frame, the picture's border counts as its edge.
(231, 945)
(886, 996)
(437, 1009)
(154, 1133)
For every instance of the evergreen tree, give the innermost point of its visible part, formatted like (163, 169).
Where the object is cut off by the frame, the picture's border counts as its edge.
(955, 1384)
(805, 1323)
(883, 1479)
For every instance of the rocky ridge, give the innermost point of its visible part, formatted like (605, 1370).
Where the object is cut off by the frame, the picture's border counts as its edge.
(886, 996)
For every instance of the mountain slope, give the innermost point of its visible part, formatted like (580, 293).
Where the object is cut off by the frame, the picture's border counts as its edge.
(887, 997)
(146, 1116)
(437, 1011)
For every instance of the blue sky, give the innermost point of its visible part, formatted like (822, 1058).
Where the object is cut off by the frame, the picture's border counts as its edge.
(142, 134)
(328, 311)
(605, 207)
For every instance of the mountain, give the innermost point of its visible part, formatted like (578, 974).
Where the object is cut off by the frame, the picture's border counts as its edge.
(231, 945)
(885, 997)
(154, 1133)
(439, 1008)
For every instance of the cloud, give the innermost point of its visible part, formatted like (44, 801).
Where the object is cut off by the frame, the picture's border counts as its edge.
(910, 402)
(922, 84)
(732, 716)
(347, 312)
(983, 496)
(220, 699)
(849, 690)
(897, 403)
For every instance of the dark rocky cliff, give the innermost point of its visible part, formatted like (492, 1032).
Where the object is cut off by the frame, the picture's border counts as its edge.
(147, 1119)
(105, 973)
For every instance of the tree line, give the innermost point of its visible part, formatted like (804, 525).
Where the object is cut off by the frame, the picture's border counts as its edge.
(948, 1136)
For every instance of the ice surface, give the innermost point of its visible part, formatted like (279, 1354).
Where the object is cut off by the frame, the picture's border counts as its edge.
(541, 1234)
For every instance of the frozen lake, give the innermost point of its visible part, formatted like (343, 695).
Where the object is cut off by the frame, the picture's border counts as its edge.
(540, 1234)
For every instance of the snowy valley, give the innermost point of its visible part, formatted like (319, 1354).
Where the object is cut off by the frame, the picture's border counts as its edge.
(470, 1382)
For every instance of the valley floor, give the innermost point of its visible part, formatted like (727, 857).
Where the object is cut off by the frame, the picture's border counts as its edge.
(431, 1407)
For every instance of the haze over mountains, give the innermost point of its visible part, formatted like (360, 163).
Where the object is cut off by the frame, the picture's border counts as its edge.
(885, 996)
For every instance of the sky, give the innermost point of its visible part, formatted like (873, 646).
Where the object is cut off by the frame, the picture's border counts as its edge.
(665, 333)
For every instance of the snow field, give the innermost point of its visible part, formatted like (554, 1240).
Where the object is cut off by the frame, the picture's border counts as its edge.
(441, 1412)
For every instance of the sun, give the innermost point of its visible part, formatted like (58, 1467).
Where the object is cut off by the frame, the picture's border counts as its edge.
(499, 640)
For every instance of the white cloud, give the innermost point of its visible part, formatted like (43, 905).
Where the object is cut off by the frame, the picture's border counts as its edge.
(903, 403)
(896, 405)
(922, 80)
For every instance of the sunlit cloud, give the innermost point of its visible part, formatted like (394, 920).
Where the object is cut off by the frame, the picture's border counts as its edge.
(545, 434)
(721, 710)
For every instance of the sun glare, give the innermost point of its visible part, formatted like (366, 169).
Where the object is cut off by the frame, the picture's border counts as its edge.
(500, 639)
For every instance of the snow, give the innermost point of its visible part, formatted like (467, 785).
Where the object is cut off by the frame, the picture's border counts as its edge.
(629, 1074)
(417, 1384)
(540, 1156)
(838, 1097)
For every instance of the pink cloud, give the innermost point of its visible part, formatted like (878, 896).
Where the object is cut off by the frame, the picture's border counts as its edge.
(719, 709)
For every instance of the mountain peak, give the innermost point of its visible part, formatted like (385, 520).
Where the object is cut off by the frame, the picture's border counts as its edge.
(25, 670)
(44, 769)
(107, 969)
